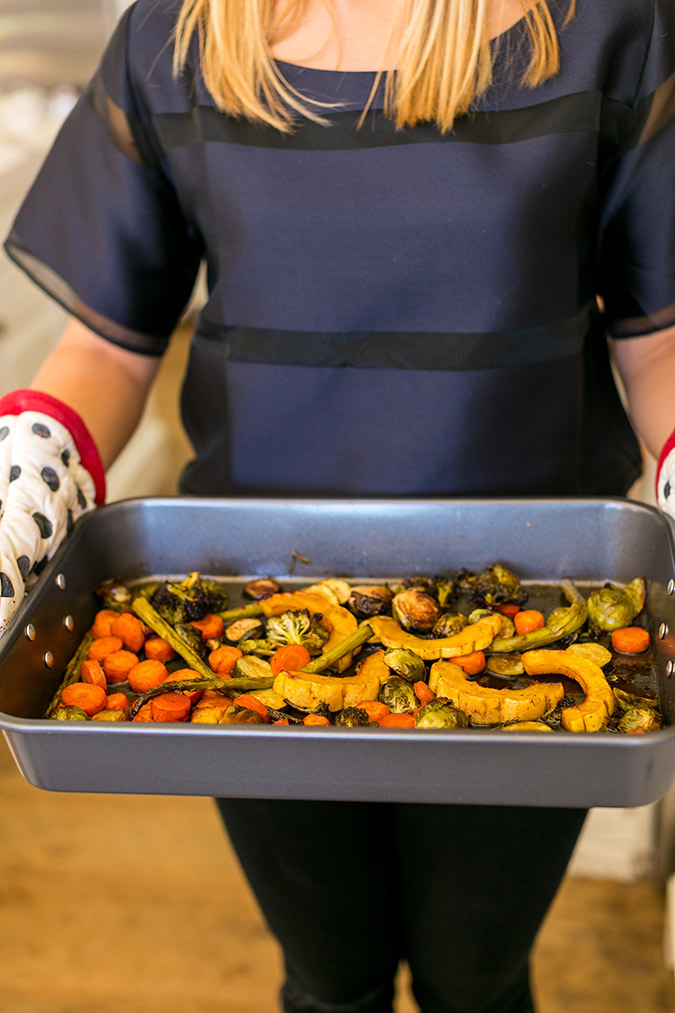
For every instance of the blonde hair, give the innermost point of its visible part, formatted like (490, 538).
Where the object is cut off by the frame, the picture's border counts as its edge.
(443, 58)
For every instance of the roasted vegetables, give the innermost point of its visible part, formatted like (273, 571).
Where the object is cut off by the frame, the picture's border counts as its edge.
(426, 653)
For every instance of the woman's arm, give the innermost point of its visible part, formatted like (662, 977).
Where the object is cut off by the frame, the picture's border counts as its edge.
(647, 369)
(105, 384)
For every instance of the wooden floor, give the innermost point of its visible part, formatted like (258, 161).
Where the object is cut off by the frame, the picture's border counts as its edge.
(130, 904)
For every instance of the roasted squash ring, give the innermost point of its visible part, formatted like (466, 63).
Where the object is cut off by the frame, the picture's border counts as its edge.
(474, 637)
(486, 706)
(592, 714)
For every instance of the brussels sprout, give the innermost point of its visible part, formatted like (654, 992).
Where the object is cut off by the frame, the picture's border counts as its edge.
(627, 701)
(261, 587)
(369, 599)
(639, 719)
(415, 610)
(398, 695)
(113, 593)
(244, 629)
(449, 623)
(496, 584)
(109, 715)
(611, 608)
(440, 713)
(353, 717)
(236, 715)
(70, 713)
(405, 663)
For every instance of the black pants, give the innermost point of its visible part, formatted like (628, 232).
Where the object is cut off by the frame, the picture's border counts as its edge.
(350, 889)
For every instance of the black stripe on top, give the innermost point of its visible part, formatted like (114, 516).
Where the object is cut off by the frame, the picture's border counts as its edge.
(401, 350)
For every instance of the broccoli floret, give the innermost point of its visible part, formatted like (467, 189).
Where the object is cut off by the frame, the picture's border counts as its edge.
(189, 599)
(297, 628)
(353, 717)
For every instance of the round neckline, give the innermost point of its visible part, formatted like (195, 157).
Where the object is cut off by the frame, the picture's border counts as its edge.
(373, 73)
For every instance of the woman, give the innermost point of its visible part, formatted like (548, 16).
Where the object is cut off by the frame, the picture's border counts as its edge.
(411, 215)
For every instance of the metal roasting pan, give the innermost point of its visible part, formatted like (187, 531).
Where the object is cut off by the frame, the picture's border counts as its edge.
(542, 540)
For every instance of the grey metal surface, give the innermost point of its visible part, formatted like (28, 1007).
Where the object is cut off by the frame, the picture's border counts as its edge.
(588, 540)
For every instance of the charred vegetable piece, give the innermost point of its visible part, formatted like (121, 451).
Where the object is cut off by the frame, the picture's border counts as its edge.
(236, 715)
(475, 637)
(398, 695)
(415, 610)
(449, 623)
(440, 713)
(353, 717)
(369, 599)
(612, 607)
(245, 629)
(486, 706)
(443, 589)
(189, 599)
(261, 587)
(566, 621)
(110, 715)
(592, 714)
(496, 585)
(405, 663)
(114, 593)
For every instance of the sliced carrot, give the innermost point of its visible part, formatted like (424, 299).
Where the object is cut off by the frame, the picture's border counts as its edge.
(193, 695)
(471, 664)
(289, 658)
(528, 620)
(252, 702)
(315, 719)
(117, 702)
(507, 609)
(118, 664)
(374, 709)
(223, 658)
(89, 698)
(397, 721)
(104, 646)
(144, 713)
(157, 649)
(630, 640)
(103, 620)
(170, 707)
(130, 629)
(423, 693)
(92, 672)
(146, 675)
(210, 626)
(281, 721)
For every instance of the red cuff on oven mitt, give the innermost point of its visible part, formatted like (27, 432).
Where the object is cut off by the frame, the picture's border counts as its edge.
(665, 477)
(50, 474)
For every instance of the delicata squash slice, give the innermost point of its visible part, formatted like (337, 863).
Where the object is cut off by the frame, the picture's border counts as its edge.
(486, 706)
(592, 714)
(336, 619)
(474, 637)
(308, 691)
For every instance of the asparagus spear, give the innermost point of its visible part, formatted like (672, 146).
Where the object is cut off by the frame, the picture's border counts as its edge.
(72, 672)
(574, 620)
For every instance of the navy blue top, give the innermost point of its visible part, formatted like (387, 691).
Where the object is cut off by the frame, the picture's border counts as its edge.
(389, 312)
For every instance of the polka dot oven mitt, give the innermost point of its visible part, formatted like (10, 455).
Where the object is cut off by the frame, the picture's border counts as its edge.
(665, 478)
(50, 474)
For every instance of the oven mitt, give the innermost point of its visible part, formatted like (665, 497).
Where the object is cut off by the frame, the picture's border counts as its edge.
(50, 474)
(665, 477)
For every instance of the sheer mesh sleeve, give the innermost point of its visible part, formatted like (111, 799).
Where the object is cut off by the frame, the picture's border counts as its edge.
(637, 228)
(101, 229)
